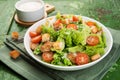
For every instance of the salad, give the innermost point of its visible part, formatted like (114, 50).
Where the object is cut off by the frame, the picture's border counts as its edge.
(68, 41)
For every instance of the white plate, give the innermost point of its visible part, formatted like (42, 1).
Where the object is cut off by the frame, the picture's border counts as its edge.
(109, 43)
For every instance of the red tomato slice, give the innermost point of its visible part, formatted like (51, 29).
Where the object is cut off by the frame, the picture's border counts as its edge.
(33, 34)
(75, 18)
(89, 23)
(72, 26)
(82, 58)
(47, 56)
(92, 40)
(36, 39)
(57, 22)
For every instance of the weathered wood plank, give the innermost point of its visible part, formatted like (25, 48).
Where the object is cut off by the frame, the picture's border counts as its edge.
(7, 11)
(6, 15)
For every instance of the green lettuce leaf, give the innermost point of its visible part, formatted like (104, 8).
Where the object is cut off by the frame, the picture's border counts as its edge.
(58, 15)
(62, 48)
(51, 31)
(37, 50)
(76, 49)
(60, 60)
(67, 37)
(63, 42)
(92, 50)
(66, 62)
(103, 39)
(57, 59)
(79, 37)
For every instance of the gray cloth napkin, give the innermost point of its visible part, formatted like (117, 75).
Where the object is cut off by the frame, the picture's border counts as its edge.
(95, 72)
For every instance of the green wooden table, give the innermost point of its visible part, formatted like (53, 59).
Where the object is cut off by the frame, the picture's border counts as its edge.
(105, 11)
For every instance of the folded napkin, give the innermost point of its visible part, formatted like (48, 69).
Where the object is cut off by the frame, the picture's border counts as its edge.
(32, 70)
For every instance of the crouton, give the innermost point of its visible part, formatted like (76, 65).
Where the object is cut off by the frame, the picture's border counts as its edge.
(15, 35)
(39, 30)
(33, 46)
(45, 37)
(57, 45)
(95, 57)
(14, 54)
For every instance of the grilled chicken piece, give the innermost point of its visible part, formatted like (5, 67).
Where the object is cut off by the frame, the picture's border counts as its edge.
(33, 46)
(46, 46)
(58, 45)
(45, 37)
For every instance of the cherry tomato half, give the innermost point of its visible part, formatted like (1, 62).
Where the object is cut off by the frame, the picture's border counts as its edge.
(72, 26)
(33, 34)
(36, 39)
(47, 56)
(90, 23)
(82, 58)
(57, 22)
(75, 18)
(92, 40)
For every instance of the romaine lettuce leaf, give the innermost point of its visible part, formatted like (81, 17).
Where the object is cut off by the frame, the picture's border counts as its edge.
(79, 37)
(103, 39)
(66, 62)
(68, 37)
(92, 50)
(53, 34)
(62, 41)
(76, 49)
(57, 59)
(37, 50)
(58, 16)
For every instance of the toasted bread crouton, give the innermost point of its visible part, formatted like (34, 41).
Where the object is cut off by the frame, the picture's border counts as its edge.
(39, 30)
(45, 37)
(57, 45)
(14, 54)
(33, 46)
(15, 35)
(95, 57)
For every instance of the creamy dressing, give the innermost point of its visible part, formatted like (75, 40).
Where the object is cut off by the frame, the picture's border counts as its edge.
(30, 6)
